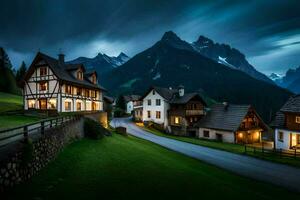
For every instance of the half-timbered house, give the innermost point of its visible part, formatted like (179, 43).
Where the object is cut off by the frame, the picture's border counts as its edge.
(52, 85)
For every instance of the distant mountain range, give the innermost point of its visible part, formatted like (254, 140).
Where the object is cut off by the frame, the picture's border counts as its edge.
(291, 80)
(172, 61)
(102, 63)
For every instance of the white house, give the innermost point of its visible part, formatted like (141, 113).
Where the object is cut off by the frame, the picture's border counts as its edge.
(132, 102)
(53, 85)
(156, 105)
(287, 125)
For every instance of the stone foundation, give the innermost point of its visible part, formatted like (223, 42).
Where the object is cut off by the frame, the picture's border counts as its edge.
(24, 159)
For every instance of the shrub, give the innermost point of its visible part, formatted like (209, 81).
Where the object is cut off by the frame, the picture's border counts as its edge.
(119, 113)
(93, 129)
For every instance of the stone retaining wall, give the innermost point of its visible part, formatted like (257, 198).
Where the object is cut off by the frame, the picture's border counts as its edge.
(27, 158)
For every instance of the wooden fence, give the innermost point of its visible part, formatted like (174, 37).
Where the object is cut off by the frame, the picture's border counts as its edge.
(8, 136)
(264, 152)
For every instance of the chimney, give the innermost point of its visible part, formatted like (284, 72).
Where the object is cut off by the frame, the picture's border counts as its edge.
(181, 90)
(61, 58)
(226, 105)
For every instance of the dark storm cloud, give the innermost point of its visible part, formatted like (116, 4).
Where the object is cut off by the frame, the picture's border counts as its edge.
(257, 28)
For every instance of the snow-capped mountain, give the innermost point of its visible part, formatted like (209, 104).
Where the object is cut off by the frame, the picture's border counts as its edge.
(291, 80)
(224, 54)
(275, 76)
(102, 63)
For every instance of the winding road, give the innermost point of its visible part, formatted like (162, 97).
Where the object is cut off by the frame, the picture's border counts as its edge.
(274, 173)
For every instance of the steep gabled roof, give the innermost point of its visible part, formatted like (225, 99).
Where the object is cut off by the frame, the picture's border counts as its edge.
(186, 98)
(165, 93)
(62, 71)
(223, 117)
(292, 105)
(108, 99)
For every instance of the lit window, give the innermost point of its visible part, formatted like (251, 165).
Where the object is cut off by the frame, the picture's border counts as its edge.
(176, 120)
(78, 106)
(43, 71)
(43, 86)
(157, 114)
(67, 105)
(79, 91)
(52, 104)
(149, 102)
(80, 75)
(31, 103)
(158, 102)
(298, 119)
(94, 79)
(280, 136)
(149, 113)
(68, 89)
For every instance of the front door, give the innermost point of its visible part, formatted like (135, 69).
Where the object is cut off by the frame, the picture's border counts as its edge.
(219, 137)
(43, 104)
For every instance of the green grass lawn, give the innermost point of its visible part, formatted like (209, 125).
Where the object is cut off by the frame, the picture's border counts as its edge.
(10, 102)
(10, 121)
(234, 148)
(121, 167)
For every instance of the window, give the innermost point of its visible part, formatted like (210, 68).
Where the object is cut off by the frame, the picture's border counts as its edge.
(153, 92)
(79, 91)
(31, 103)
(149, 114)
(68, 89)
(80, 75)
(280, 136)
(149, 102)
(94, 79)
(141, 112)
(157, 114)
(52, 104)
(43, 71)
(67, 105)
(298, 119)
(158, 102)
(87, 93)
(176, 120)
(94, 93)
(78, 106)
(43, 86)
(206, 133)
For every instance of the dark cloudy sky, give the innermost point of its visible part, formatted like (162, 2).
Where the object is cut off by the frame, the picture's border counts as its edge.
(267, 31)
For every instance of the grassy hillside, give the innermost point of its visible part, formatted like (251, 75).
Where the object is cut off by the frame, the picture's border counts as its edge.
(10, 102)
(130, 168)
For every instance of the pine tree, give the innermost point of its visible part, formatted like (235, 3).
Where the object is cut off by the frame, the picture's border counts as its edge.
(7, 77)
(21, 72)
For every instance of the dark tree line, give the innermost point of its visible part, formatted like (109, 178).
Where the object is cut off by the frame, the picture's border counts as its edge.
(10, 78)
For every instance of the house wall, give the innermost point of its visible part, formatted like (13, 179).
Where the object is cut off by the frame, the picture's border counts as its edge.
(286, 142)
(227, 136)
(129, 107)
(291, 121)
(163, 108)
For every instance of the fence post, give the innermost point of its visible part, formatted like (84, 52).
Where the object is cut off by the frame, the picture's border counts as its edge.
(262, 148)
(25, 133)
(56, 121)
(50, 123)
(280, 152)
(295, 153)
(42, 127)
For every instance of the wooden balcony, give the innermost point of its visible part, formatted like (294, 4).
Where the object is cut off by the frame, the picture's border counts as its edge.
(194, 112)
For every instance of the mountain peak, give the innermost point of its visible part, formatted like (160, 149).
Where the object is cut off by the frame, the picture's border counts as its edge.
(204, 40)
(122, 55)
(170, 35)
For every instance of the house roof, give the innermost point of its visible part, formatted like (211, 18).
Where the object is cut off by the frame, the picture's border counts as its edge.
(62, 71)
(186, 98)
(108, 99)
(278, 121)
(292, 105)
(166, 93)
(128, 98)
(223, 117)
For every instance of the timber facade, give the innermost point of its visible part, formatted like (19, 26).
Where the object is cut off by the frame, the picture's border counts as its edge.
(52, 85)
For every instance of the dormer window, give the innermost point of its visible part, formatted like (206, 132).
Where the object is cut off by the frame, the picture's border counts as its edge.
(80, 75)
(94, 79)
(43, 71)
(298, 119)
